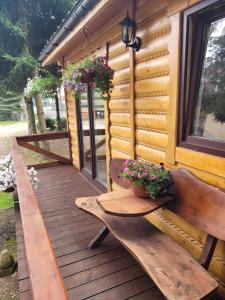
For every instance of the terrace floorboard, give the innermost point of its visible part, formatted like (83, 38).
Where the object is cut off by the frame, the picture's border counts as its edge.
(108, 272)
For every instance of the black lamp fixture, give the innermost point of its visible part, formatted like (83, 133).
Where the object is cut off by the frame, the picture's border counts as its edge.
(128, 34)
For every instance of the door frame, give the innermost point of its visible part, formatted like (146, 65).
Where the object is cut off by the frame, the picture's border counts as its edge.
(91, 175)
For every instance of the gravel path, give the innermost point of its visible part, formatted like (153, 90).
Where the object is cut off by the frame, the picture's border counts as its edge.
(19, 128)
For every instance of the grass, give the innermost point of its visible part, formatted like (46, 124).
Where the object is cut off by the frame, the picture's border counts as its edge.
(6, 200)
(8, 122)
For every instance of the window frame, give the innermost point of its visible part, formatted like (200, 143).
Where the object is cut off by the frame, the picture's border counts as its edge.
(195, 22)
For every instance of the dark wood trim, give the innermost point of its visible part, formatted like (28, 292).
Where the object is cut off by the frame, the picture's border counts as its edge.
(195, 23)
(45, 165)
(92, 131)
(44, 152)
(43, 136)
(96, 241)
(207, 251)
(80, 130)
(97, 132)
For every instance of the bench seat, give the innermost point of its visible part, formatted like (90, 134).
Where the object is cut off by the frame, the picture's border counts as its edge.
(176, 273)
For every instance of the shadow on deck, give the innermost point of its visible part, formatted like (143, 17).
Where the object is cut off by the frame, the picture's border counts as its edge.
(108, 272)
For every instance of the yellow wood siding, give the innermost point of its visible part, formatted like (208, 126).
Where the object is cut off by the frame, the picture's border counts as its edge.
(146, 125)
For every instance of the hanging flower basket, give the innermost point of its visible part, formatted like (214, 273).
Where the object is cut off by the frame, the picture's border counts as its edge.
(95, 72)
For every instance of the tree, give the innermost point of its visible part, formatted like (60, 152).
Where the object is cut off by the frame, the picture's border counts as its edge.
(10, 106)
(212, 86)
(24, 29)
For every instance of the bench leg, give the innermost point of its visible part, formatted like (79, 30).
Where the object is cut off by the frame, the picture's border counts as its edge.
(96, 241)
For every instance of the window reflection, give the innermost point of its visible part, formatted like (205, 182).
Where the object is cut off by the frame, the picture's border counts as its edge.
(209, 116)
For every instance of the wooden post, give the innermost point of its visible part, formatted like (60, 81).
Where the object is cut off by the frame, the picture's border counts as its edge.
(173, 87)
(132, 88)
(107, 135)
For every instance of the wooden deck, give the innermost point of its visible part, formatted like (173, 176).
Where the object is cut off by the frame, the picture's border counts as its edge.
(107, 272)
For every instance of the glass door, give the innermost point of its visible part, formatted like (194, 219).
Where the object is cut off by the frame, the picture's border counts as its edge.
(91, 126)
(85, 133)
(99, 130)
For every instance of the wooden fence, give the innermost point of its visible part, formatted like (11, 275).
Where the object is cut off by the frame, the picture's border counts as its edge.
(46, 281)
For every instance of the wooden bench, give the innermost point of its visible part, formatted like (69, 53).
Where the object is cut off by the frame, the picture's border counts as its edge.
(176, 273)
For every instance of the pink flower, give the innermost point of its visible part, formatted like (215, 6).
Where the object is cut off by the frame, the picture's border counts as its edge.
(134, 163)
(140, 175)
(152, 178)
(126, 162)
(126, 170)
(141, 169)
(133, 173)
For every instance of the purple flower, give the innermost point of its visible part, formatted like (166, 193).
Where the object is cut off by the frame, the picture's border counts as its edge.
(67, 83)
(75, 75)
(161, 165)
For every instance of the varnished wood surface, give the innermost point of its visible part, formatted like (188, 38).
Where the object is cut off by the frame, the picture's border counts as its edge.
(199, 203)
(44, 136)
(107, 272)
(125, 203)
(170, 266)
(46, 281)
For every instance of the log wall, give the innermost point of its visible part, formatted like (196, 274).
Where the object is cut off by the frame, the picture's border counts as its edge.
(141, 114)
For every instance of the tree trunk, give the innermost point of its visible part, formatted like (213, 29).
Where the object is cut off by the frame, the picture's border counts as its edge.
(30, 116)
(57, 109)
(41, 119)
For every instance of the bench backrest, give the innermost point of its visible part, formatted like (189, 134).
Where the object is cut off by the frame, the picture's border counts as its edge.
(197, 202)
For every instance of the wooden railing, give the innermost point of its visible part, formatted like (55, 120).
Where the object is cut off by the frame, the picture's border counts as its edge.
(23, 141)
(46, 281)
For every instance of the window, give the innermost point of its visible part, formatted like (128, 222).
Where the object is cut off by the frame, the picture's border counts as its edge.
(202, 122)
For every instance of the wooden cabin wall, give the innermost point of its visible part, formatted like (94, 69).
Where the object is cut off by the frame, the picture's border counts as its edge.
(141, 115)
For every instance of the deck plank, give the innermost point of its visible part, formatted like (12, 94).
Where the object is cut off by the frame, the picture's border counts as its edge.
(107, 272)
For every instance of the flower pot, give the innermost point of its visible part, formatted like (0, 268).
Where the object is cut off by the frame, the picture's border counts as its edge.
(86, 77)
(140, 191)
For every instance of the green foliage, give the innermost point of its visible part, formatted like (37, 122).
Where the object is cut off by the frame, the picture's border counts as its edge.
(6, 200)
(50, 124)
(62, 124)
(45, 86)
(8, 26)
(9, 106)
(25, 27)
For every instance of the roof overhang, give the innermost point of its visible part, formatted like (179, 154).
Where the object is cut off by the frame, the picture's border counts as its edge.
(84, 12)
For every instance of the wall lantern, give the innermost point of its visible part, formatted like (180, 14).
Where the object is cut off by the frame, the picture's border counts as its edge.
(128, 34)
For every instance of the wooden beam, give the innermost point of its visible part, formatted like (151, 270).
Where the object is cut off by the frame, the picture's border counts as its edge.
(44, 152)
(45, 278)
(207, 251)
(45, 165)
(132, 88)
(172, 118)
(43, 136)
(86, 132)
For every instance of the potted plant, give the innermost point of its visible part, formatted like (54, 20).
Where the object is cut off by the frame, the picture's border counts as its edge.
(147, 180)
(96, 72)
